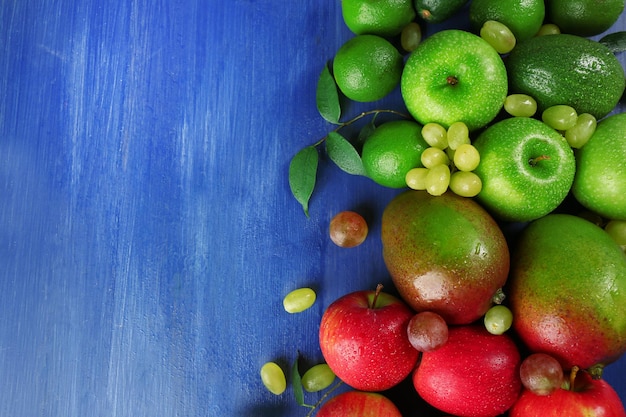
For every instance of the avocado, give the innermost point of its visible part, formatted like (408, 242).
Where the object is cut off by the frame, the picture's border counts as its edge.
(566, 69)
(436, 11)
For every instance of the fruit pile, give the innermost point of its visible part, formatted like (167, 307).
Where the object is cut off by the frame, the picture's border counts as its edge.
(509, 123)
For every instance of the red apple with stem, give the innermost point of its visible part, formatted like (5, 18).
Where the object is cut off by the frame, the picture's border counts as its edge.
(581, 396)
(364, 340)
(359, 404)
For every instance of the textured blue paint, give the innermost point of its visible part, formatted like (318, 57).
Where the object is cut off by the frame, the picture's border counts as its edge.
(147, 231)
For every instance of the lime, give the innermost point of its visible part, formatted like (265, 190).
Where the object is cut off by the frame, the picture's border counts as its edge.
(523, 17)
(367, 68)
(377, 17)
(584, 17)
(392, 150)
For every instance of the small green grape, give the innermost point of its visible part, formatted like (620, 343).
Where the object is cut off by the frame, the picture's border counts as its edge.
(560, 117)
(299, 300)
(273, 378)
(498, 319)
(466, 157)
(434, 156)
(520, 105)
(416, 178)
(582, 131)
(435, 135)
(411, 36)
(317, 378)
(465, 184)
(548, 29)
(498, 35)
(617, 230)
(457, 134)
(438, 180)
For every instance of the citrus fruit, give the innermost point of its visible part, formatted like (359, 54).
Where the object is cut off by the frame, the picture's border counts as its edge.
(391, 151)
(377, 17)
(567, 69)
(367, 68)
(437, 11)
(567, 291)
(522, 17)
(584, 17)
(454, 76)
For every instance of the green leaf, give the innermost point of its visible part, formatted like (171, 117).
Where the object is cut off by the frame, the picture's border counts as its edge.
(327, 97)
(296, 382)
(366, 131)
(342, 153)
(616, 42)
(302, 175)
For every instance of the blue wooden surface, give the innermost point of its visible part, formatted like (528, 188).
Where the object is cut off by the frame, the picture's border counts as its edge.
(147, 231)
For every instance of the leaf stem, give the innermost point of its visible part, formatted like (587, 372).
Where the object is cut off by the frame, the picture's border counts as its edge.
(323, 398)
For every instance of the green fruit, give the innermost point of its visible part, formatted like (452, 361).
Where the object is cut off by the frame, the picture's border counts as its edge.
(567, 291)
(454, 76)
(445, 254)
(367, 68)
(523, 17)
(526, 169)
(600, 181)
(584, 17)
(377, 17)
(391, 151)
(436, 11)
(567, 69)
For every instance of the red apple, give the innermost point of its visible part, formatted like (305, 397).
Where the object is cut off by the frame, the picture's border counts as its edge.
(359, 404)
(364, 340)
(475, 374)
(586, 397)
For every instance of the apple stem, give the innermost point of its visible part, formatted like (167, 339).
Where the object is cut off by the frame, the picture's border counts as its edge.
(379, 288)
(572, 377)
(452, 80)
(534, 161)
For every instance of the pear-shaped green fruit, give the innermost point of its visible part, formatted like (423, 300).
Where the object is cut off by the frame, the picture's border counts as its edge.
(567, 291)
(445, 254)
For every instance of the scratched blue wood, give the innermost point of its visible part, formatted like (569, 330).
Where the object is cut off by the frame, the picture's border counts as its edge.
(147, 231)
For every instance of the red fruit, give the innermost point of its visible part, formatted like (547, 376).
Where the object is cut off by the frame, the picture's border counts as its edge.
(588, 398)
(363, 338)
(475, 374)
(446, 254)
(348, 229)
(359, 404)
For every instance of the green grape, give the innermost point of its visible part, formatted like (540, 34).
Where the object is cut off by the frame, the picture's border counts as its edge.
(580, 133)
(465, 184)
(520, 105)
(548, 29)
(466, 157)
(416, 178)
(411, 36)
(435, 135)
(434, 156)
(438, 179)
(617, 230)
(498, 319)
(498, 35)
(317, 378)
(457, 134)
(273, 378)
(299, 300)
(559, 117)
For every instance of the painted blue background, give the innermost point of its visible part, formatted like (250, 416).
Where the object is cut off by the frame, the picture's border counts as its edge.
(147, 230)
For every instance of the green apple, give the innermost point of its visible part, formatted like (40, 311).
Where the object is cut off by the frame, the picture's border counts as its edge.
(600, 181)
(454, 76)
(526, 167)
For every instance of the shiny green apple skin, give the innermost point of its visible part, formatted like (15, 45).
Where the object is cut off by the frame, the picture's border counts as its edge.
(600, 181)
(454, 76)
(526, 167)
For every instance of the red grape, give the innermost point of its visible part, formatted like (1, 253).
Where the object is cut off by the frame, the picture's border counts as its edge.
(541, 373)
(427, 331)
